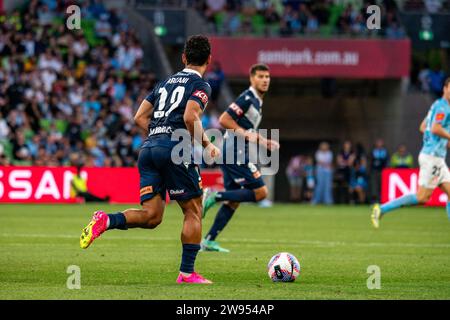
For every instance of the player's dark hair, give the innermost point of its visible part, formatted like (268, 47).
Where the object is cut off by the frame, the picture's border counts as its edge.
(447, 82)
(197, 50)
(258, 67)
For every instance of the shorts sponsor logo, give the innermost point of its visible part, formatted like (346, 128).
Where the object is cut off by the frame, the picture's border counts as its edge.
(202, 95)
(176, 192)
(146, 190)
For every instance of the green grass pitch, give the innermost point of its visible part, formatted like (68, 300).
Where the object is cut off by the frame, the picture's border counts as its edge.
(335, 245)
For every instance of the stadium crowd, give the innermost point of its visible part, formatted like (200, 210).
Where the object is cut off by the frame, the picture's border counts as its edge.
(68, 96)
(298, 17)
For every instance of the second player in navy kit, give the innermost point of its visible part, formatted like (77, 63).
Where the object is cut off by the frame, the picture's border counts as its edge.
(242, 178)
(176, 103)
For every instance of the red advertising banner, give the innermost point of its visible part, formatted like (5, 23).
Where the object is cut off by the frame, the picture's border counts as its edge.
(53, 185)
(398, 182)
(302, 58)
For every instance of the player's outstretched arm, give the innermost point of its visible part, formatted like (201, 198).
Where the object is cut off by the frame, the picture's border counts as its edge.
(143, 115)
(192, 119)
(227, 121)
(438, 130)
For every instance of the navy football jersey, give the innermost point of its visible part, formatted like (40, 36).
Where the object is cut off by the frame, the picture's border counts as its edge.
(246, 110)
(169, 99)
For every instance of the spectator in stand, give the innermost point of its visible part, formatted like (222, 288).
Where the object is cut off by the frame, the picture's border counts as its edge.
(393, 28)
(213, 7)
(433, 6)
(79, 189)
(294, 173)
(21, 152)
(312, 25)
(310, 180)
(358, 179)
(4, 128)
(4, 161)
(379, 159)
(215, 78)
(424, 78)
(402, 158)
(345, 164)
(437, 78)
(324, 175)
(272, 20)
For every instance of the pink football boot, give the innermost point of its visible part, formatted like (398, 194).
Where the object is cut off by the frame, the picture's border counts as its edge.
(193, 278)
(94, 229)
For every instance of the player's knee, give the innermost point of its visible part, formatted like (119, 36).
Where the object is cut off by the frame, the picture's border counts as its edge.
(193, 213)
(261, 193)
(153, 222)
(152, 219)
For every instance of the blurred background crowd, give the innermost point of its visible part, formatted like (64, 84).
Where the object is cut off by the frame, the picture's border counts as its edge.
(295, 17)
(69, 95)
(352, 175)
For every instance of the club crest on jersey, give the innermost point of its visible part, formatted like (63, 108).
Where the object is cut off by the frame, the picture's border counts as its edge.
(440, 116)
(202, 95)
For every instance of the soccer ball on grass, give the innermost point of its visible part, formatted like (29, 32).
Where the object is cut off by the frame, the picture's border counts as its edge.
(283, 267)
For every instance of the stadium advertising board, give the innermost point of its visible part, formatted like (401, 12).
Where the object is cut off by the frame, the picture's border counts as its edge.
(301, 58)
(53, 185)
(398, 182)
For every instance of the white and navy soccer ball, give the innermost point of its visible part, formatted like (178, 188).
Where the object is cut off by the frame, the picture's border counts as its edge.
(283, 267)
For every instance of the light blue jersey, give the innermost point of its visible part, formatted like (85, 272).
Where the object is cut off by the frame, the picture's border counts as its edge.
(434, 145)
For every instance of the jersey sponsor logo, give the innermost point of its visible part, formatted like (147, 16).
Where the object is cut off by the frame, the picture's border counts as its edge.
(239, 180)
(239, 112)
(440, 116)
(159, 130)
(202, 95)
(146, 190)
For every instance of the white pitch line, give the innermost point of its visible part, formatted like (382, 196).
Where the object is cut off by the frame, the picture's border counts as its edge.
(252, 241)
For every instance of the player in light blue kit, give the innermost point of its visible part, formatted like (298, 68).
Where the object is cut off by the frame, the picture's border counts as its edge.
(433, 169)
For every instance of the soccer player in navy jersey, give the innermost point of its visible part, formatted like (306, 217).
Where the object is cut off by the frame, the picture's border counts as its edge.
(242, 179)
(176, 103)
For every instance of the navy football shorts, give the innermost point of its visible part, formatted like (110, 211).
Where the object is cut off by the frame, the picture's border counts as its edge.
(241, 176)
(159, 174)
